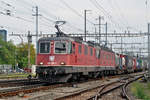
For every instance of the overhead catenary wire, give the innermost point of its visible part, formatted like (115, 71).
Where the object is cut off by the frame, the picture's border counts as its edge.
(19, 17)
(23, 19)
(12, 28)
(54, 18)
(74, 11)
(29, 5)
(48, 19)
(106, 14)
(75, 27)
(118, 12)
(16, 8)
(126, 23)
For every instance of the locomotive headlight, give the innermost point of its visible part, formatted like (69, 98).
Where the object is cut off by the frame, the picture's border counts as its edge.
(62, 63)
(41, 63)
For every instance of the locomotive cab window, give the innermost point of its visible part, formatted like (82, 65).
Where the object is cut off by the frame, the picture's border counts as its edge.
(80, 49)
(74, 48)
(44, 47)
(69, 51)
(60, 47)
(85, 50)
(91, 51)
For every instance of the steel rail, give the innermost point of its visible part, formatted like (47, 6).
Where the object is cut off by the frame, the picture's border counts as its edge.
(124, 87)
(121, 83)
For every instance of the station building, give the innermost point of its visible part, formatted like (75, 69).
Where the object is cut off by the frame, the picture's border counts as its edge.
(3, 34)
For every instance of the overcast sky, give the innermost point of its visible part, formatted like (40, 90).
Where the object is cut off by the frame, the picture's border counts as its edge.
(120, 15)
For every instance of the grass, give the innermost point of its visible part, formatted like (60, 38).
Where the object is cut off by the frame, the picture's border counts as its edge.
(148, 85)
(141, 90)
(14, 75)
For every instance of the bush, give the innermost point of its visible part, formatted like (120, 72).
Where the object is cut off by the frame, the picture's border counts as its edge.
(139, 90)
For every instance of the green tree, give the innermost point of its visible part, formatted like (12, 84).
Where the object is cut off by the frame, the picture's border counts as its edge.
(11, 54)
(22, 55)
(7, 52)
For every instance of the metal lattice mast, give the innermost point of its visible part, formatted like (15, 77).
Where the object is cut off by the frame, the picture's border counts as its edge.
(36, 28)
(149, 49)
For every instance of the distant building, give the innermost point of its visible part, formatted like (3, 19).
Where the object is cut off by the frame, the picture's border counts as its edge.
(3, 34)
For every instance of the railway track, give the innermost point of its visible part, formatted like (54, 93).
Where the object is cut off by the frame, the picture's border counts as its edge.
(18, 82)
(115, 85)
(54, 87)
(105, 89)
(99, 91)
(124, 88)
(14, 80)
(7, 92)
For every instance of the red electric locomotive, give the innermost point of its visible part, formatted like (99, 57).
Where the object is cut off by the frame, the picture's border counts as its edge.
(64, 58)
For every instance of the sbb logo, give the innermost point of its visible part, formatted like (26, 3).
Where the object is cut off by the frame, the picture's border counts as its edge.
(51, 58)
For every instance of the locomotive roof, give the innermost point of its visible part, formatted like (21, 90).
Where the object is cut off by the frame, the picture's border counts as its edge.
(77, 39)
(56, 39)
(106, 49)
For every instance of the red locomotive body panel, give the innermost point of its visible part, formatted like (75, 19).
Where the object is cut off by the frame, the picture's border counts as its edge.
(52, 59)
(79, 58)
(107, 59)
(85, 57)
